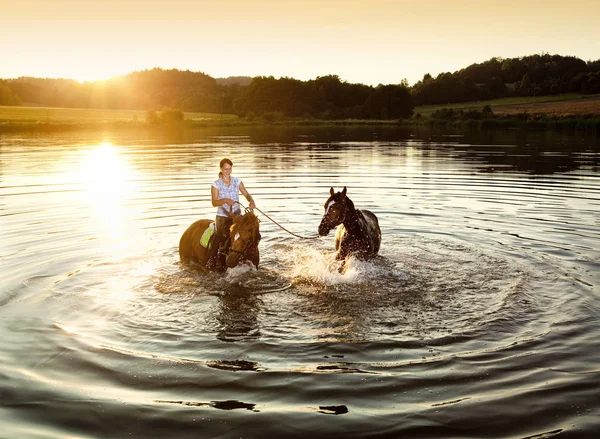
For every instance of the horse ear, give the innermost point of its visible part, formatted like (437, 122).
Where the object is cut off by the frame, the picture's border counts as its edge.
(344, 191)
(331, 191)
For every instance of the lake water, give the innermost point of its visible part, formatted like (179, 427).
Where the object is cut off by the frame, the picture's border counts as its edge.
(480, 318)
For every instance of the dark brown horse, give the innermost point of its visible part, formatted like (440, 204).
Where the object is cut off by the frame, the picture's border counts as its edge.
(244, 237)
(358, 231)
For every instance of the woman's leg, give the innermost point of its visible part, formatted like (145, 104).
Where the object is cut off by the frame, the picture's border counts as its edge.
(214, 246)
(218, 248)
(223, 224)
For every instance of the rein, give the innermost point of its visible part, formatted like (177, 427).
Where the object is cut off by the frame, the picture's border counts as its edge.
(279, 225)
(241, 252)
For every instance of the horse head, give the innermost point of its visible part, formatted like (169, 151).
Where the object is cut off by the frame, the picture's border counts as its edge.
(244, 238)
(335, 211)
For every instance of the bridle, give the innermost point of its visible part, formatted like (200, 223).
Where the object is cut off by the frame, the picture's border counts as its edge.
(345, 209)
(241, 252)
(249, 243)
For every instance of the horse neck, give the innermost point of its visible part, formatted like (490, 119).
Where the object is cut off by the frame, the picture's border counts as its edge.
(352, 219)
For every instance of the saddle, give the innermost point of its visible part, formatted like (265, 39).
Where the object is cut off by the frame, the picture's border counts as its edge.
(207, 238)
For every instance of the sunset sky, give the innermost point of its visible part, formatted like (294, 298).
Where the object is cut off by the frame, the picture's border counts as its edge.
(368, 41)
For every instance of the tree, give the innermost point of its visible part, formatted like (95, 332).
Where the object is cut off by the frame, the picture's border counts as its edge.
(151, 117)
(7, 96)
(389, 102)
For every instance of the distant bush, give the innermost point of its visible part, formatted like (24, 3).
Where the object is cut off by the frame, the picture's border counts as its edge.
(443, 114)
(166, 116)
(171, 115)
(151, 117)
(452, 114)
(273, 116)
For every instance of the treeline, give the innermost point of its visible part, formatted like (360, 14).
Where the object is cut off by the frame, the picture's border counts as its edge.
(156, 88)
(7, 95)
(240, 80)
(536, 75)
(326, 97)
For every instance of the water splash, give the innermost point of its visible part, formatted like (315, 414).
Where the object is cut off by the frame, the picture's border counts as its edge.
(319, 267)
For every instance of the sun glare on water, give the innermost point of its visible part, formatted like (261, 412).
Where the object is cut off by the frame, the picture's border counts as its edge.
(108, 185)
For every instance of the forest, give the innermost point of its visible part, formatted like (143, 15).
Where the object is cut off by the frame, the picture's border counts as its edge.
(326, 97)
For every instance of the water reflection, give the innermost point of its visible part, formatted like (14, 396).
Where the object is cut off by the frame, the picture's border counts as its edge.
(229, 404)
(238, 315)
(532, 152)
(108, 184)
(535, 152)
(481, 280)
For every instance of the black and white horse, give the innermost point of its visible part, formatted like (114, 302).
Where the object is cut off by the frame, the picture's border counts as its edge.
(358, 233)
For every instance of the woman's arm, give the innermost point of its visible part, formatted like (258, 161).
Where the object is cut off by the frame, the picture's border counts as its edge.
(246, 194)
(214, 195)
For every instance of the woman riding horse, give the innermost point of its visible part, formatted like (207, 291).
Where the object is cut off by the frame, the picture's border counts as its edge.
(244, 237)
(358, 233)
(225, 196)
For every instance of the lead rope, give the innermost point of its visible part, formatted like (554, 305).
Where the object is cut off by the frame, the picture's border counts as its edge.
(279, 225)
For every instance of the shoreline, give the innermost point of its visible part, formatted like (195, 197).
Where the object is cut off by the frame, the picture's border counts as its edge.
(541, 113)
(589, 125)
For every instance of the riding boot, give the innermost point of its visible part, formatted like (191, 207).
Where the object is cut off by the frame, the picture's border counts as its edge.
(223, 248)
(223, 224)
(213, 259)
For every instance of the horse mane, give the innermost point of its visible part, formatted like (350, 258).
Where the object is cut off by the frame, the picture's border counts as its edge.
(349, 202)
(248, 221)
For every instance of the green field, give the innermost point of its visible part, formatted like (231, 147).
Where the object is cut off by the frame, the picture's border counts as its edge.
(51, 118)
(51, 115)
(426, 110)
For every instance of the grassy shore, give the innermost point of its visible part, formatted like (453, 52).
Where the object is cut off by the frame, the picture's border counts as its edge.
(562, 105)
(48, 119)
(572, 112)
(53, 115)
